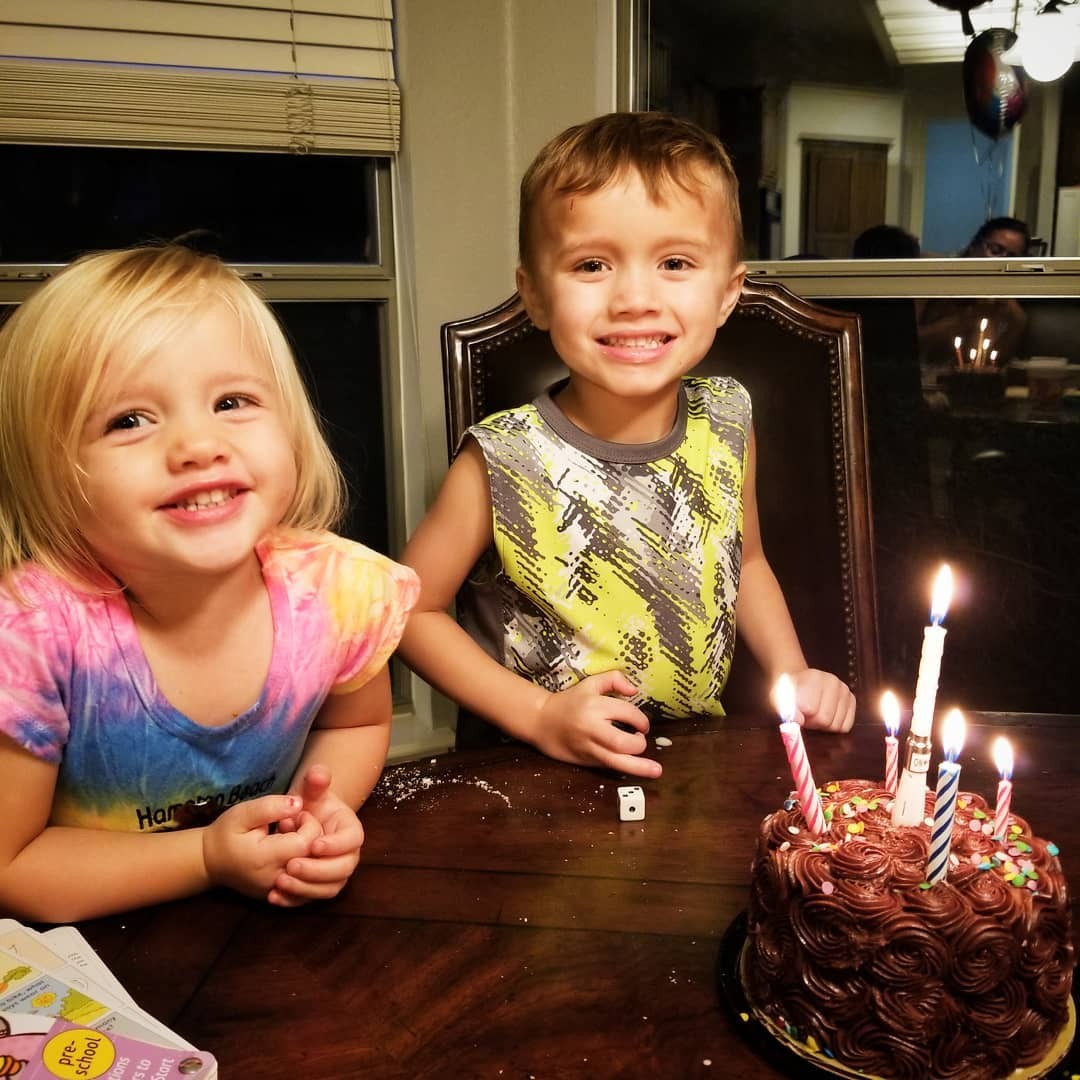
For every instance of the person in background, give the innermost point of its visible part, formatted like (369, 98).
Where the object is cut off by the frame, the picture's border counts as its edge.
(610, 527)
(999, 238)
(193, 682)
(885, 242)
(950, 331)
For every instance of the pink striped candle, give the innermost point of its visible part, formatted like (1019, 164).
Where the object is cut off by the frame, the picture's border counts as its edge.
(1003, 759)
(890, 713)
(791, 732)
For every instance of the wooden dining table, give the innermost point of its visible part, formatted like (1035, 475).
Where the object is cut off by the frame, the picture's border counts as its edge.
(504, 922)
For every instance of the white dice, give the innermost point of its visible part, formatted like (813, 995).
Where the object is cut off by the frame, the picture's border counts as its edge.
(631, 803)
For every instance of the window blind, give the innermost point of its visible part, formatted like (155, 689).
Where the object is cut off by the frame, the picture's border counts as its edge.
(275, 75)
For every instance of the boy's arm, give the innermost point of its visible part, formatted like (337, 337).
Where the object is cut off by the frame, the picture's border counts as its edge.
(764, 623)
(52, 873)
(575, 725)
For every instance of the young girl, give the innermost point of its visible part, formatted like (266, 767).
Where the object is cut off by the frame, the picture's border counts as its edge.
(185, 651)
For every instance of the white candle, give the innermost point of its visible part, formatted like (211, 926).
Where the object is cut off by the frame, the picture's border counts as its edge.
(981, 341)
(910, 802)
(922, 712)
(1003, 759)
(890, 713)
(948, 784)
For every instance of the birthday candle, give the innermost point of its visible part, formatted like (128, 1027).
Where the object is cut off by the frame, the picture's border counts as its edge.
(981, 341)
(922, 711)
(791, 733)
(1003, 759)
(948, 783)
(956, 343)
(909, 804)
(890, 713)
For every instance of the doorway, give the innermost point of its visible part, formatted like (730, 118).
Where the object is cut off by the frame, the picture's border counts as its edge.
(843, 187)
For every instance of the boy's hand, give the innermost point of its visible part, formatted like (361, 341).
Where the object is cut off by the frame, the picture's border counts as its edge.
(240, 851)
(321, 872)
(824, 702)
(578, 725)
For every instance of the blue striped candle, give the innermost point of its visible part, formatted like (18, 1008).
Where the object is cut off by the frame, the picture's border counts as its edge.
(948, 784)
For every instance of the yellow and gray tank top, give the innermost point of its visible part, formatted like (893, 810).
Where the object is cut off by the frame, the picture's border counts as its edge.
(609, 556)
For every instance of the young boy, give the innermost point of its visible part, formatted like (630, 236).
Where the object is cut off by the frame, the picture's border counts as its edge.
(616, 514)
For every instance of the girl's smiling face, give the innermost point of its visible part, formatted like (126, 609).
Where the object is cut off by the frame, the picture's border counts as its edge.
(186, 461)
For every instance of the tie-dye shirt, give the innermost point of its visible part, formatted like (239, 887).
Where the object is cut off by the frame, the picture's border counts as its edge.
(609, 556)
(76, 688)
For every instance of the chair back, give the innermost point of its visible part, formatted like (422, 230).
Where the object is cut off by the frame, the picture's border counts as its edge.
(801, 365)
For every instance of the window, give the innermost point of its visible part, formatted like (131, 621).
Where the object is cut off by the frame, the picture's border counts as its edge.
(309, 231)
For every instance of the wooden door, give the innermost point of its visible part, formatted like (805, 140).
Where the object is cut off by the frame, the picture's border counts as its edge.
(843, 187)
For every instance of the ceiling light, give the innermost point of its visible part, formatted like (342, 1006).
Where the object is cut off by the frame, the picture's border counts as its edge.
(1047, 43)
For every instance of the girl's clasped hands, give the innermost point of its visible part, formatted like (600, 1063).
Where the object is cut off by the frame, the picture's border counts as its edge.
(289, 849)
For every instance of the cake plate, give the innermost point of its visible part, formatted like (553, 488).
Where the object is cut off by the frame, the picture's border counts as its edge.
(793, 1059)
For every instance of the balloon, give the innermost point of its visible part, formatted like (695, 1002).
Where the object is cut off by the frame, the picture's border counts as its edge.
(994, 92)
(964, 7)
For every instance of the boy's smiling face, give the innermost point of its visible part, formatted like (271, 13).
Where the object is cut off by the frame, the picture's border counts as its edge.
(631, 290)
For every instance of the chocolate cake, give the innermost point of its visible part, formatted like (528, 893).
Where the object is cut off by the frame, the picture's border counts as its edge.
(853, 957)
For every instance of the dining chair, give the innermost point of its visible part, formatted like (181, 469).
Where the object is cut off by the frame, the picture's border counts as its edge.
(801, 364)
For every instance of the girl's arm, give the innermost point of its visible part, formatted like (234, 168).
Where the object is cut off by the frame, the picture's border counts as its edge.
(575, 725)
(341, 763)
(764, 623)
(52, 873)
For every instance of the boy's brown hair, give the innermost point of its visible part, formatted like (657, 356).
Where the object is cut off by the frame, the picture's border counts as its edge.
(662, 149)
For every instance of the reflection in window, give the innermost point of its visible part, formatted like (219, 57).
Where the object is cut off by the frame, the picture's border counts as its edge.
(774, 77)
(976, 465)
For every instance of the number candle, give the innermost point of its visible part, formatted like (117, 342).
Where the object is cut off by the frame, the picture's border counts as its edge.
(948, 783)
(890, 713)
(791, 733)
(1003, 759)
(910, 802)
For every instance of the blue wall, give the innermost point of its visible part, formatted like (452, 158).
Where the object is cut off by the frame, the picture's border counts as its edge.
(968, 177)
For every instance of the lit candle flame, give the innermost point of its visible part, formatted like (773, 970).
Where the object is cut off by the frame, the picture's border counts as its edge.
(956, 342)
(784, 698)
(952, 738)
(972, 353)
(993, 354)
(890, 712)
(942, 594)
(1003, 757)
(983, 324)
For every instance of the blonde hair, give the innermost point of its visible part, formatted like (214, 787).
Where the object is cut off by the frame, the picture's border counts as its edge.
(663, 150)
(53, 354)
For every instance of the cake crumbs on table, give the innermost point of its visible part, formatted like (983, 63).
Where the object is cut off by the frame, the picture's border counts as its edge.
(403, 784)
